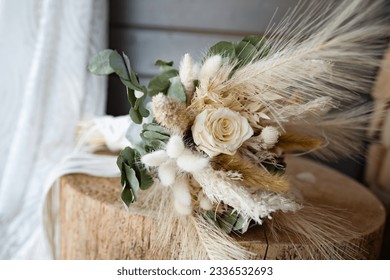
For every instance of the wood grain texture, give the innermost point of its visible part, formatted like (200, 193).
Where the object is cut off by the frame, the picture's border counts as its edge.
(378, 161)
(381, 88)
(384, 171)
(376, 153)
(385, 137)
(95, 225)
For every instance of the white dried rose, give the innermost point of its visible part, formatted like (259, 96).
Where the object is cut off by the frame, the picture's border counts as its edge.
(222, 130)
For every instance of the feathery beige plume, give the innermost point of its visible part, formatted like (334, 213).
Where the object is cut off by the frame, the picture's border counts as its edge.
(342, 133)
(255, 205)
(319, 230)
(171, 113)
(253, 176)
(190, 237)
(188, 74)
(291, 142)
(326, 60)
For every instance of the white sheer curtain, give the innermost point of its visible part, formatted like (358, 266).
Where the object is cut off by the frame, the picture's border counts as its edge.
(45, 89)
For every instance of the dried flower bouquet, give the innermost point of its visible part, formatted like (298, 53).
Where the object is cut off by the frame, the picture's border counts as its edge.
(211, 160)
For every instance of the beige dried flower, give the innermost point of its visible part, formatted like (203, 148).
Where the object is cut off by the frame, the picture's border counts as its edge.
(221, 130)
(171, 113)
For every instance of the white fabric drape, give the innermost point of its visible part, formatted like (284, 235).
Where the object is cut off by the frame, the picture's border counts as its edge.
(45, 46)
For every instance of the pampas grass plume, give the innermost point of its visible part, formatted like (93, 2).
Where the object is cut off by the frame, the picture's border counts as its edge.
(182, 209)
(190, 162)
(188, 73)
(269, 135)
(167, 173)
(175, 146)
(210, 68)
(181, 191)
(205, 203)
(155, 158)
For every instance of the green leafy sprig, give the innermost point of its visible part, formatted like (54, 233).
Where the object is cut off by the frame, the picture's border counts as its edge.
(134, 175)
(154, 137)
(109, 61)
(229, 220)
(168, 82)
(251, 48)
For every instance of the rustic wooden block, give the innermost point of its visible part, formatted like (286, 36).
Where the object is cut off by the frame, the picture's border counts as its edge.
(382, 85)
(375, 127)
(95, 225)
(385, 137)
(384, 172)
(374, 161)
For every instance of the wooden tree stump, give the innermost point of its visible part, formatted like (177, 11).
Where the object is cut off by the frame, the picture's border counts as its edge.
(95, 225)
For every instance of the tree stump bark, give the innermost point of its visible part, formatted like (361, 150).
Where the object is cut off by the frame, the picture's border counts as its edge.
(95, 225)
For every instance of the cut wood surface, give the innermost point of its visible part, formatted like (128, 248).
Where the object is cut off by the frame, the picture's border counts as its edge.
(384, 172)
(382, 85)
(376, 153)
(95, 225)
(385, 138)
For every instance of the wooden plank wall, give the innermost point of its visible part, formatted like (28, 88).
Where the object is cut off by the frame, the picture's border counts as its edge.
(147, 30)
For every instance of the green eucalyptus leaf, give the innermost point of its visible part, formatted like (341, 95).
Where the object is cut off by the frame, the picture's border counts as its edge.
(145, 180)
(118, 64)
(121, 166)
(160, 62)
(127, 196)
(135, 116)
(161, 83)
(133, 76)
(140, 104)
(140, 107)
(126, 60)
(241, 224)
(135, 81)
(131, 178)
(134, 175)
(255, 40)
(156, 127)
(158, 84)
(131, 97)
(100, 63)
(176, 89)
(260, 43)
(245, 52)
(127, 156)
(153, 145)
(213, 216)
(155, 136)
(223, 48)
(164, 66)
(131, 85)
(227, 221)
